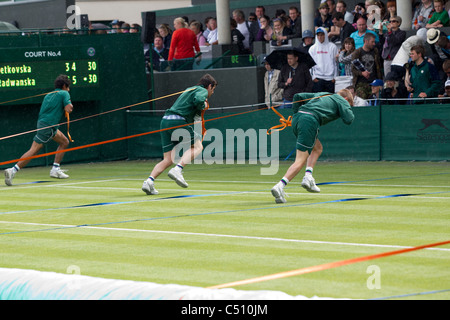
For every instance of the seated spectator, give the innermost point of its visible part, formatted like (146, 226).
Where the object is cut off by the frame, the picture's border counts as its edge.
(376, 87)
(357, 100)
(392, 41)
(345, 57)
(307, 39)
(446, 95)
(422, 14)
(324, 20)
(196, 26)
(341, 6)
(273, 94)
(212, 38)
(345, 28)
(394, 92)
(265, 32)
(440, 17)
(207, 31)
(279, 32)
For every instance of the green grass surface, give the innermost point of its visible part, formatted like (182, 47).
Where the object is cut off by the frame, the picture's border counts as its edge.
(230, 228)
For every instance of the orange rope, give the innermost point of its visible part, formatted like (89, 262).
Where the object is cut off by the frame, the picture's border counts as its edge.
(324, 266)
(68, 121)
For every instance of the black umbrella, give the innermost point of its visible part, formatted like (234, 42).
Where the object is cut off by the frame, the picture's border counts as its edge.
(278, 57)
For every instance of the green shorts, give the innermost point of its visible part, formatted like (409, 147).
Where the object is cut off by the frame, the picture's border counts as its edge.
(306, 129)
(46, 134)
(188, 136)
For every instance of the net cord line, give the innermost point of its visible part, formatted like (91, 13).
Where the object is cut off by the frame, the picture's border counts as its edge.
(139, 134)
(325, 266)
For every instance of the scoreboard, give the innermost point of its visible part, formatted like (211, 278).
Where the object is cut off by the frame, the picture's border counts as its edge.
(37, 68)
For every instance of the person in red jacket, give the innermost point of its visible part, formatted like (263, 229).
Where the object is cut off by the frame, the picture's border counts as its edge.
(184, 45)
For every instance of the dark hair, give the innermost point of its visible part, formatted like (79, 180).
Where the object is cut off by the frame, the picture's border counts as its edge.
(338, 16)
(61, 81)
(419, 49)
(207, 80)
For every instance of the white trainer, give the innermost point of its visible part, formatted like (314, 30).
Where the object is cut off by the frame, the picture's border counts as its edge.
(9, 176)
(279, 194)
(58, 173)
(309, 183)
(149, 187)
(177, 175)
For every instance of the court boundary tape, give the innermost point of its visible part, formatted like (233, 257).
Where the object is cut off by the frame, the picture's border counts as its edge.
(325, 266)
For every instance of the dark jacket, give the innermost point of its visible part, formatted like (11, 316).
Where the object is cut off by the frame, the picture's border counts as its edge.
(302, 81)
(391, 43)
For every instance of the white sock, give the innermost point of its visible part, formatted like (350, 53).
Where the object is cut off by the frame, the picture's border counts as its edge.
(309, 170)
(16, 168)
(56, 165)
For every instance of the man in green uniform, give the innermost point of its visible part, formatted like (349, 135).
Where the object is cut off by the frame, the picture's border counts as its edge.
(55, 104)
(311, 111)
(186, 109)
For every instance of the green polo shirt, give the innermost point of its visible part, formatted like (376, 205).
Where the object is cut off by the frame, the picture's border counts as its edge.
(189, 104)
(52, 108)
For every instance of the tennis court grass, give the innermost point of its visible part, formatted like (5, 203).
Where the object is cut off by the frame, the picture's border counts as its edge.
(226, 227)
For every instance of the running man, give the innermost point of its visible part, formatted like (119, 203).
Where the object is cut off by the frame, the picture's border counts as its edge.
(312, 111)
(55, 104)
(186, 109)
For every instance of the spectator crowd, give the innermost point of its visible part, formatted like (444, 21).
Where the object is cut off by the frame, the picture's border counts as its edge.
(364, 49)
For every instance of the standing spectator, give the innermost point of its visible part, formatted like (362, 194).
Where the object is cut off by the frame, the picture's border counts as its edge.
(345, 57)
(422, 14)
(159, 53)
(392, 41)
(296, 24)
(307, 39)
(424, 79)
(359, 34)
(341, 7)
(369, 57)
(294, 78)
(265, 31)
(440, 18)
(324, 19)
(273, 94)
(391, 10)
(184, 44)
(325, 71)
(345, 28)
(196, 27)
(166, 33)
(279, 32)
(212, 34)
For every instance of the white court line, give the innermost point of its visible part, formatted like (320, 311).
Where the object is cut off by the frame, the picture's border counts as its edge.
(220, 235)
